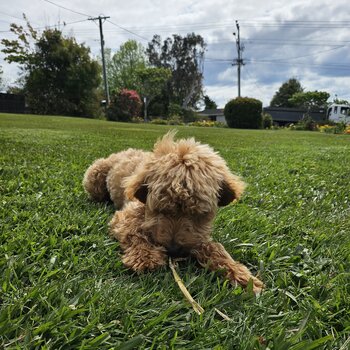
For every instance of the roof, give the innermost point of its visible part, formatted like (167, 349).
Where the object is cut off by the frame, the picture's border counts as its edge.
(212, 112)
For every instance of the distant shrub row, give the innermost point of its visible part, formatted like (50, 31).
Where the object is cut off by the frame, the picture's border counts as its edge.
(241, 112)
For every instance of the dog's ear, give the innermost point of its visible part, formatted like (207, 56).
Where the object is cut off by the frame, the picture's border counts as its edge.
(231, 189)
(135, 187)
(141, 193)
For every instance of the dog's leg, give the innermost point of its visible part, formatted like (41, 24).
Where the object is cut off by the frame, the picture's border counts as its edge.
(142, 255)
(214, 256)
(139, 253)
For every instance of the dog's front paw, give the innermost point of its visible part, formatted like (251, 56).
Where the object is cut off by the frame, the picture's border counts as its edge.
(257, 285)
(143, 259)
(239, 274)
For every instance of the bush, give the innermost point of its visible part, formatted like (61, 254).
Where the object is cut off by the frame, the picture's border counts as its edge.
(306, 123)
(156, 109)
(124, 106)
(187, 115)
(137, 120)
(267, 121)
(175, 120)
(159, 121)
(208, 123)
(174, 110)
(244, 113)
(334, 128)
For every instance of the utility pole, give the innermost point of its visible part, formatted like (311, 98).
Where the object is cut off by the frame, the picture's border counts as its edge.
(239, 60)
(100, 18)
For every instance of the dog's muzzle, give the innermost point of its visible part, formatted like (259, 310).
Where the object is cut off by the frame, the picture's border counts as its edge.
(177, 251)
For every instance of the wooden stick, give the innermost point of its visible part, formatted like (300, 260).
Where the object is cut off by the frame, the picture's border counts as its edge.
(196, 307)
(224, 316)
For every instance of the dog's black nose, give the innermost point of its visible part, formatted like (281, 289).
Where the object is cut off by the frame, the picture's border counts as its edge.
(177, 251)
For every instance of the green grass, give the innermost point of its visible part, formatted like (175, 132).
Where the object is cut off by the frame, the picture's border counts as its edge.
(62, 283)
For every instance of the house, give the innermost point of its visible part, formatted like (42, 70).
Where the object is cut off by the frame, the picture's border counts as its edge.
(284, 116)
(215, 115)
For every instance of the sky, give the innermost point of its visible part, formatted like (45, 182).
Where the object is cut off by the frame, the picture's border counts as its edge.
(304, 39)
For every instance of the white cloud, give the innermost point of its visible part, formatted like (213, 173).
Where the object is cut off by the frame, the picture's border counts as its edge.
(227, 75)
(272, 44)
(221, 94)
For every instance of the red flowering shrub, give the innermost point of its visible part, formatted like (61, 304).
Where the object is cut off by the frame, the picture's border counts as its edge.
(125, 105)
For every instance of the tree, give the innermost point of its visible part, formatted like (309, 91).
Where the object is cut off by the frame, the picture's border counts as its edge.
(125, 105)
(310, 99)
(244, 113)
(122, 67)
(184, 56)
(285, 92)
(151, 82)
(209, 103)
(58, 74)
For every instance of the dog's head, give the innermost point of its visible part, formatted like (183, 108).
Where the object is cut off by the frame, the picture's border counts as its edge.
(184, 182)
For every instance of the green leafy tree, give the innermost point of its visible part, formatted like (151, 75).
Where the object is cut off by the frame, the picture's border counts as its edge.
(151, 82)
(20, 51)
(310, 99)
(286, 91)
(209, 103)
(184, 56)
(123, 65)
(58, 74)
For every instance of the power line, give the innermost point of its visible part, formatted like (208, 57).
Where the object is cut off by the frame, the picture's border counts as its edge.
(68, 9)
(292, 21)
(303, 56)
(308, 65)
(296, 40)
(226, 60)
(227, 24)
(252, 41)
(297, 24)
(210, 25)
(285, 44)
(253, 61)
(285, 62)
(47, 27)
(127, 30)
(6, 14)
(309, 55)
(84, 14)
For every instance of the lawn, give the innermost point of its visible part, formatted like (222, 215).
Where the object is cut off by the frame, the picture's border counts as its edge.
(62, 284)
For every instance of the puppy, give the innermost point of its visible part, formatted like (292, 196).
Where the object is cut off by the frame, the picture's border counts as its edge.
(167, 200)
